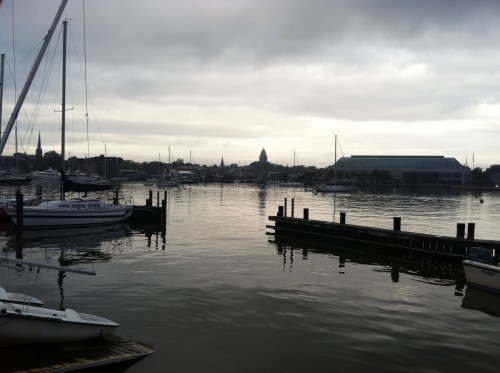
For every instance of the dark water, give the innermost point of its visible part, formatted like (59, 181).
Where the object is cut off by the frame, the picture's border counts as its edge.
(215, 293)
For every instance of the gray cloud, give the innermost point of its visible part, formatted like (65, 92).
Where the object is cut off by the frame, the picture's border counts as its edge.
(233, 76)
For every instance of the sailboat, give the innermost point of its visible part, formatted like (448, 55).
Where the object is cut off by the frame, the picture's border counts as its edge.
(28, 323)
(292, 184)
(333, 188)
(83, 211)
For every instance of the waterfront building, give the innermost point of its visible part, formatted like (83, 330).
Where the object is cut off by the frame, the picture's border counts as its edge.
(404, 170)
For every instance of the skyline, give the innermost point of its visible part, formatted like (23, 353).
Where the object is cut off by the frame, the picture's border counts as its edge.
(226, 79)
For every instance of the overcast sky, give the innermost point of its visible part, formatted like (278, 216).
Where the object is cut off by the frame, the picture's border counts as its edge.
(226, 78)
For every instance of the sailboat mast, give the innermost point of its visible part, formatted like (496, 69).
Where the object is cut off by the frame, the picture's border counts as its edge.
(63, 107)
(1, 89)
(335, 164)
(31, 76)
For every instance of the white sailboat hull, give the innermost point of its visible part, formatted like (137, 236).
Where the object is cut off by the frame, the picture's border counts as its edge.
(64, 213)
(48, 218)
(480, 275)
(23, 325)
(19, 298)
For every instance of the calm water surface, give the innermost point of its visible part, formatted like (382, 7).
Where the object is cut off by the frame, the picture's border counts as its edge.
(215, 293)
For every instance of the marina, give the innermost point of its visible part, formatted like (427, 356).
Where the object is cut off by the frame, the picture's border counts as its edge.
(215, 289)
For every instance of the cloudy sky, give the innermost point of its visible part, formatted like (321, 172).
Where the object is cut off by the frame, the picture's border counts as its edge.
(226, 78)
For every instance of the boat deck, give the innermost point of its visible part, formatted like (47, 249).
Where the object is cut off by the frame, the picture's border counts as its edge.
(72, 356)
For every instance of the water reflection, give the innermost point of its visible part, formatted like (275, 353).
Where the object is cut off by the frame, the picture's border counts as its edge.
(481, 300)
(80, 239)
(422, 270)
(262, 194)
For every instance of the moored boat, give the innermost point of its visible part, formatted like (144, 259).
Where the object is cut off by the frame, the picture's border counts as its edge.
(481, 270)
(21, 324)
(83, 211)
(25, 323)
(333, 188)
(292, 184)
(48, 174)
(61, 212)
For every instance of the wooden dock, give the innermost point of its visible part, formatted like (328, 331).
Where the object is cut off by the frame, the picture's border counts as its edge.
(149, 212)
(72, 356)
(454, 248)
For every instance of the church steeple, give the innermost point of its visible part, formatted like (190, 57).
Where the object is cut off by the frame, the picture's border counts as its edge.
(39, 147)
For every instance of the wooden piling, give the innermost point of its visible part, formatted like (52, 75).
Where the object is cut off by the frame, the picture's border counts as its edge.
(280, 210)
(306, 214)
(293, 207)
(151, 213)
(397, 224)
(470, 231)
(342, 217)
(460, 230)
(285, 207)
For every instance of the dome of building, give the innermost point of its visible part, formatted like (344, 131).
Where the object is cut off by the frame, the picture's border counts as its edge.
(263, 156)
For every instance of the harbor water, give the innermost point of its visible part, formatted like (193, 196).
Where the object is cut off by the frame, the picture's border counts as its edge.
(214, 291)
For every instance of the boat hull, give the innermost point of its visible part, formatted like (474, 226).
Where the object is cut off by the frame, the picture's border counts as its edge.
(40, 217)
(19, 298)
(483, 276)
(50, 326)
(333, 189)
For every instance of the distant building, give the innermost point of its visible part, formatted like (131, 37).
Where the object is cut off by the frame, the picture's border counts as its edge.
(413, 170)
(263, 156)
(101, 165)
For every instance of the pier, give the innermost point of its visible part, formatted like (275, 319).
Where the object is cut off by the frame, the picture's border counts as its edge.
(149, 212)
(73, 356)
(453, 248)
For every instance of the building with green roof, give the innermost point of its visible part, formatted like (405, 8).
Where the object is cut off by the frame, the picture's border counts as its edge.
(405, 170)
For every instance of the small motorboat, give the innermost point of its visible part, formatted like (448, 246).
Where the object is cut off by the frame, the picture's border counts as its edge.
(18, 298)
(481, 270)
(25, 324)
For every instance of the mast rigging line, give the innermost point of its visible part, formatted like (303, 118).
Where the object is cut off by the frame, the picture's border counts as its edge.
(31, 75)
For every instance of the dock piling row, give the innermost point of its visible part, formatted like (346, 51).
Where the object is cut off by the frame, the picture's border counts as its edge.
(395, 239)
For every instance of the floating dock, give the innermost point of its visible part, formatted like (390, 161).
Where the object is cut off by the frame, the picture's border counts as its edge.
(454, 248)
(72, 356)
